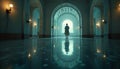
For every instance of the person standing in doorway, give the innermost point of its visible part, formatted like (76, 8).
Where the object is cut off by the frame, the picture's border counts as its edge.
(66, 30)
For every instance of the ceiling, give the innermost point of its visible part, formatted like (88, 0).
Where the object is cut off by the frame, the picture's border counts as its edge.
(47, 1)
(34, 3)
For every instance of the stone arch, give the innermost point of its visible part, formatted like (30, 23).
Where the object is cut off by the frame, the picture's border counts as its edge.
(62, 7)
(102, 6)
(36, 5)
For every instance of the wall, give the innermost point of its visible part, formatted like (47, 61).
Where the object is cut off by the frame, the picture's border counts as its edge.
(97, 16)
(114, 19)
(10, 27)
(26, 16)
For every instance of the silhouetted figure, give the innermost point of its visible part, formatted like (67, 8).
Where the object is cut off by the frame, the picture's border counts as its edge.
(67, 45)
(66, 30)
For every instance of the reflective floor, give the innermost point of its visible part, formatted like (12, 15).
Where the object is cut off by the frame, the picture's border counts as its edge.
(60, 53)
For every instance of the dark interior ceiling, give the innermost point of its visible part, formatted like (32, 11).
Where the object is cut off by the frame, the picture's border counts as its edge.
(47, 1)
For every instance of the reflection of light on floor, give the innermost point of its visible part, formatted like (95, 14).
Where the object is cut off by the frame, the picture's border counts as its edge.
(29, 55)
(104, 56)
(70, 52)
(34, 50)
(98, 51)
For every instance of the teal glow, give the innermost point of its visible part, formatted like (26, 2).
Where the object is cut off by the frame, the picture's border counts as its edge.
(66, 52)
(35, 21)
(70, 24)
(97, 21)
(66, 13)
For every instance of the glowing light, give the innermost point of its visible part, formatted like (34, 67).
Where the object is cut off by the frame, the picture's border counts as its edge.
(98, 51)
(70, 24)
(98, 24)
(34, 24)
(103, 20)
(30, 20)
(29, 55)
(11, 5)
(34, 50)
(119, 5)
(9, 9)
(104, 56)
(119, 9)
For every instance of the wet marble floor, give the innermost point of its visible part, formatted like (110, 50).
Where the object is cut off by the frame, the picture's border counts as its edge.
(60, 53)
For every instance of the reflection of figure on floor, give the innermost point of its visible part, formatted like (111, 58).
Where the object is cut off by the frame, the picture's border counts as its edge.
(67, 45)
(66, 30)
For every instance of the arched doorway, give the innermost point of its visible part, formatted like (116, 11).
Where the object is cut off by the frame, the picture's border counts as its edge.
(36, 15)
(97, 23)
(66, 14)
(99, 16)
(35, 19)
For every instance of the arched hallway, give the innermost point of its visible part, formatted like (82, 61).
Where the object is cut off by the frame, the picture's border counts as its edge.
(66, 13)
(59, 34)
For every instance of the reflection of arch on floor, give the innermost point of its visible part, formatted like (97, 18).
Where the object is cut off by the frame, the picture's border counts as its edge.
(57, 20)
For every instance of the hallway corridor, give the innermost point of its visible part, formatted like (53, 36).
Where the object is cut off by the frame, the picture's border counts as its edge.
(32, 34)
(60, 53)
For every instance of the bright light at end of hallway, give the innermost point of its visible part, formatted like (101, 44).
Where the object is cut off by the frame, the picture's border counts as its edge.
(70, 24)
